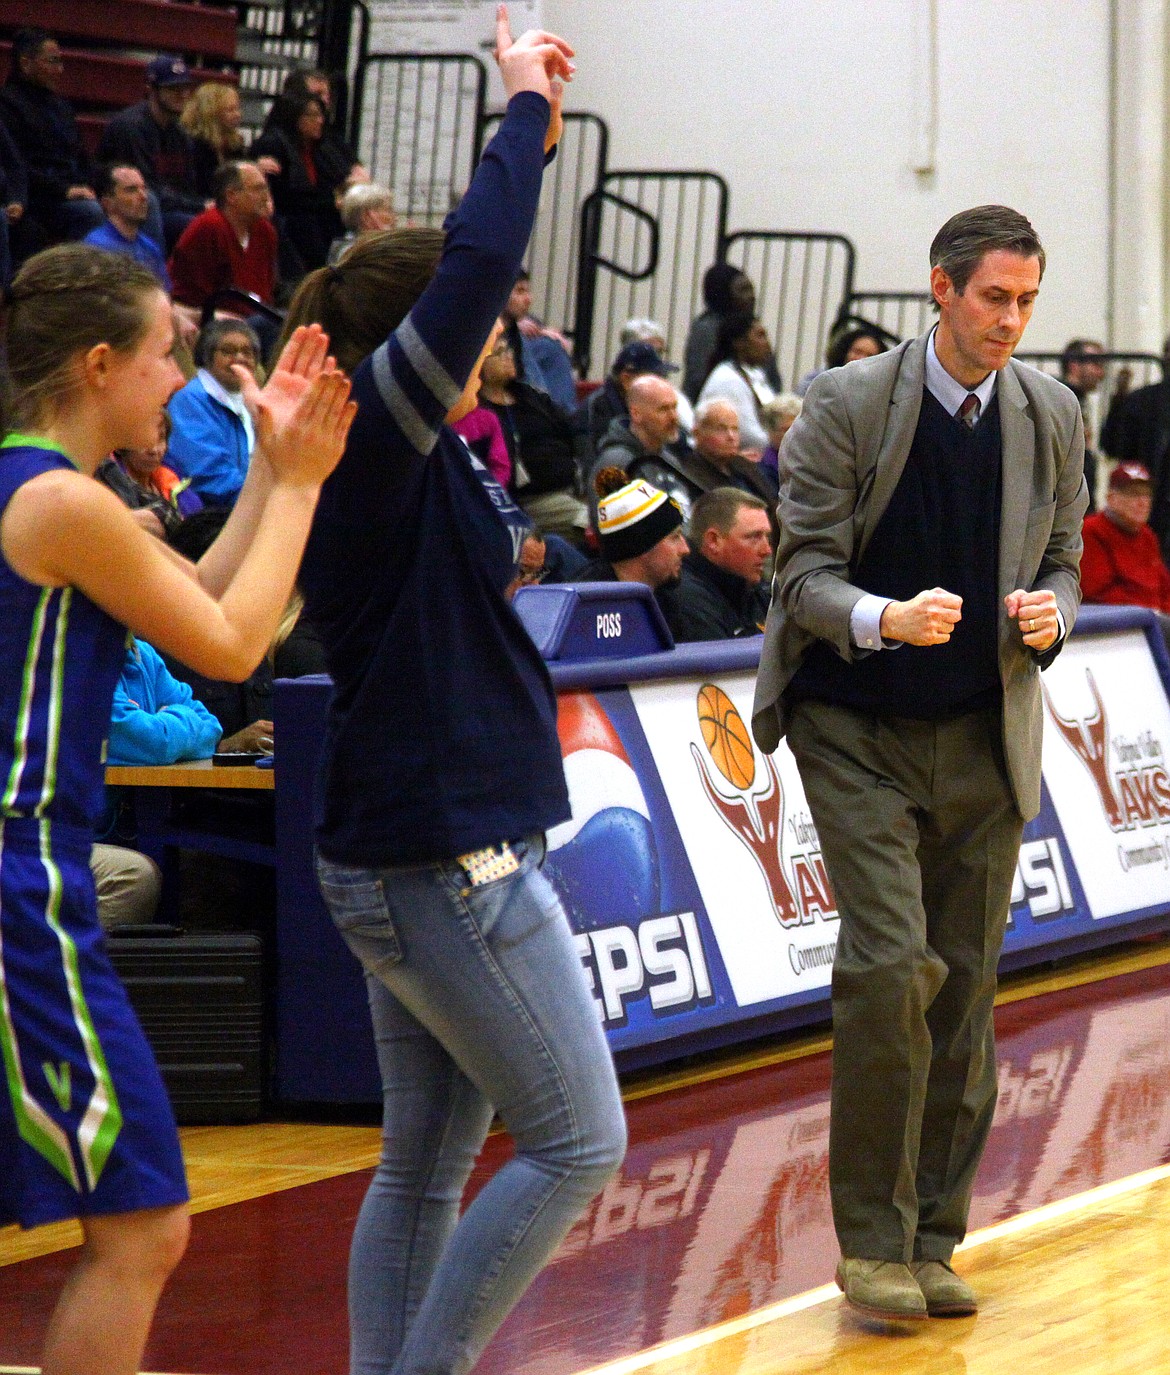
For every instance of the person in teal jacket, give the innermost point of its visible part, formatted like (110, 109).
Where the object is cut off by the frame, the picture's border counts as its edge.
(156, 720)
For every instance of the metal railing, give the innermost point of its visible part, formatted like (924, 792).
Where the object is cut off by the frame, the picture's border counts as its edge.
(898, 314)
(802, 281)
(1144, 369)
(646, 239)
(419, 118)
(576, 171)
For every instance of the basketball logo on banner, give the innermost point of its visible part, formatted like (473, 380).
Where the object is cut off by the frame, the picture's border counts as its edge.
(754, 813)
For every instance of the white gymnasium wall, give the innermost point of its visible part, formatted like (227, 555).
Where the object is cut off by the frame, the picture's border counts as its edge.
(814, 110)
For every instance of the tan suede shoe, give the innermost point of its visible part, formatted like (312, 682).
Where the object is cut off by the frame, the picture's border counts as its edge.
(882, 1289)
(946, 1295)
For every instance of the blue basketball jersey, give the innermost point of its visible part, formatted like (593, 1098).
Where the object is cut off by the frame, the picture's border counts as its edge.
(56, 646)
(85, 1125)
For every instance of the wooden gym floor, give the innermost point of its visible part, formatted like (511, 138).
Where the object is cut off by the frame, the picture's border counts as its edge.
(713, 1252)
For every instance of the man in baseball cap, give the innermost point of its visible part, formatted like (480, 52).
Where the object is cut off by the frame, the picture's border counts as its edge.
(610, 401)
(149, 136)
(1122, 562)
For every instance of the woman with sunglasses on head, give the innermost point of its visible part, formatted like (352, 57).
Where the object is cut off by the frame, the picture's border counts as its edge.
(85, 1127)
(442, 771)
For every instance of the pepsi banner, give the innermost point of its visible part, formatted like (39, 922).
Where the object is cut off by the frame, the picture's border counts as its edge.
(692, 871)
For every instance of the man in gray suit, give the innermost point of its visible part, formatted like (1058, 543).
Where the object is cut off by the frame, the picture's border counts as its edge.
(930, 510)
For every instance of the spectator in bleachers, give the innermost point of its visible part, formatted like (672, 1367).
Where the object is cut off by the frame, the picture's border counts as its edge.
(1082, 372)
(156, 719)
(715, 460)
(777, 416)
(149, 136)
(540, 443)
(160, 499)
(719, 462)
(61, 202)
(123, 196)
(721, 593)
(314, 170)
(1122, 564)
(641, 329)
(726, 291)
(485, 438)
(128, 885)
(297, 649)
(542, 354)
(212, 119)
(212, 439)
(366, 208)
(13, 198)
(320, 84)
(847, 345)
(596, 413)
(1136, 431)
(231, 244)
(739, 374)
(639, 445)
(640, 531)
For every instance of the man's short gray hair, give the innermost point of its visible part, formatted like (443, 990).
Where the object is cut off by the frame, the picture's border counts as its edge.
(640, 328)
(704, 408)
(786, 405)
(365, 195)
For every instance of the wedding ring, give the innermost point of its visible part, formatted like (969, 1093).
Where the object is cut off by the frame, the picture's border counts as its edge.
(1031, 626)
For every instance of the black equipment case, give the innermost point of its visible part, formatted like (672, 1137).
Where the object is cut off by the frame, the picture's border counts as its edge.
(200, 999)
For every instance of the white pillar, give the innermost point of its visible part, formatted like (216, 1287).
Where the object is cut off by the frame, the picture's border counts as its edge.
(1137, 280)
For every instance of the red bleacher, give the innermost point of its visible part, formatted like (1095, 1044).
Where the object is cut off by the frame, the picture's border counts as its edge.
(152, 24)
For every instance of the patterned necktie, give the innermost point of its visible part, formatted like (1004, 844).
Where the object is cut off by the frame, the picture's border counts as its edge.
(969, 411)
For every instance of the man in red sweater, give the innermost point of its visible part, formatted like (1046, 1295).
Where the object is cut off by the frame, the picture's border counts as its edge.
(232, 244)
(1122, 563)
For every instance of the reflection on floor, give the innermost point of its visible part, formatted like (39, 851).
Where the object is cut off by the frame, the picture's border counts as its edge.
(721, 1208)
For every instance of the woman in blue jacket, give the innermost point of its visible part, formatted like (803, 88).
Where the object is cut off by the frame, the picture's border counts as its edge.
(212, 436)
(442, 773)
(156, 718)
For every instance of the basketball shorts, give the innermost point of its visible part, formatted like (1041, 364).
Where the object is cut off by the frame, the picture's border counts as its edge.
(85, 1124)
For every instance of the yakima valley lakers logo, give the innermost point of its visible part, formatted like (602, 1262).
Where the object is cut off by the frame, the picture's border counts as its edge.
(750, 800)
(1129, 773)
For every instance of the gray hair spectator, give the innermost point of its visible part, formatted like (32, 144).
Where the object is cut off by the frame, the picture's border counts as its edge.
(213, 437)
(368, 206)
(777, 417)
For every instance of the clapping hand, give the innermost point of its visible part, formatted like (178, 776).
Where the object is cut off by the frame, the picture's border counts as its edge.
(303, 413)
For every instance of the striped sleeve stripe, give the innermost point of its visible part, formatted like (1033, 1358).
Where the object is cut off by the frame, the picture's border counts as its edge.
(421, 435)
(438, 380)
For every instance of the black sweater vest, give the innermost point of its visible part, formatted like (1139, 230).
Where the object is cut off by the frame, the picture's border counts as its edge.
(941, 529)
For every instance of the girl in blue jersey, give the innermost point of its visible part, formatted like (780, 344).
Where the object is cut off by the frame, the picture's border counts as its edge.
(85, 1127)
(442, 773)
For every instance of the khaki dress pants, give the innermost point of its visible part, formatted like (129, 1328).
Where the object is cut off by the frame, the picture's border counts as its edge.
(920, 836)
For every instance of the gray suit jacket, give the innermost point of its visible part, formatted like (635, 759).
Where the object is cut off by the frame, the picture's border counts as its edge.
(839, 466)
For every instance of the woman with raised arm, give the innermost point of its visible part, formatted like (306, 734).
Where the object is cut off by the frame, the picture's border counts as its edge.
(85, 1127)
(442, 772)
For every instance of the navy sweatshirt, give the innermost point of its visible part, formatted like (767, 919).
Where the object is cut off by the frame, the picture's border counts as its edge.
(941, 529)
(442, 730)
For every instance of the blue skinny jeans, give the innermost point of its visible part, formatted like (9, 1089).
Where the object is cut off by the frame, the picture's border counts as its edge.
(479, 1002)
